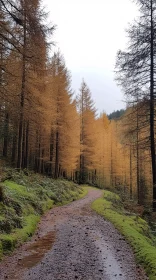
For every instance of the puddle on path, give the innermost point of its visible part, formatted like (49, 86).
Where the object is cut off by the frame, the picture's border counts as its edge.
(111, 264)
(37, 250)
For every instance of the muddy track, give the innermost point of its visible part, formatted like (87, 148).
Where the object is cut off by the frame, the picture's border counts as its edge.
(73, 242)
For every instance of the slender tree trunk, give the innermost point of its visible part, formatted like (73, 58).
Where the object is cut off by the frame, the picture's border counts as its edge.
(14, 149)
(23, 146)
(142, 179)
(36, 153)
(51, 153)
(26, 146)
(131, 192)
(111, 165)
(42, 162)
(152, 138)
(39, 157)
(6, 136)
(20, 134)
(59, 171)
(57, 156)
(36, 162)
(137, 160)
(82, 140)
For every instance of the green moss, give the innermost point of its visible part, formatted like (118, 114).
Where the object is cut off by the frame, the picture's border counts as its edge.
(48, 204)
(8, 243)
(25, 199)
(73, 195)
(27, 231)
(135, 229)
(83, 191)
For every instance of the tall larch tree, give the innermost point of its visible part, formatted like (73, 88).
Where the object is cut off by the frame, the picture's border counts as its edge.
(87, 114)
(64, 127)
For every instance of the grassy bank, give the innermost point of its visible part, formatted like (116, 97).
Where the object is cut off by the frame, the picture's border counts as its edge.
(23, 200)
(135, 230)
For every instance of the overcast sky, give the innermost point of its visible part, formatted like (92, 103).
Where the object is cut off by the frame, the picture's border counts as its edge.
(88, 34)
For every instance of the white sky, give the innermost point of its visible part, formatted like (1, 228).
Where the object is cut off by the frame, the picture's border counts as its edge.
(89, 34)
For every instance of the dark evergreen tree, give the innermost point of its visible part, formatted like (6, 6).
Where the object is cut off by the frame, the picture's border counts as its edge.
(136, 70)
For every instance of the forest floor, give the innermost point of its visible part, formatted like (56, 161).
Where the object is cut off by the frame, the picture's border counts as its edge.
(73, 242)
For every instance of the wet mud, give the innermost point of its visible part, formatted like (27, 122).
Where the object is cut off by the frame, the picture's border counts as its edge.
(37, 250)
(73, 242)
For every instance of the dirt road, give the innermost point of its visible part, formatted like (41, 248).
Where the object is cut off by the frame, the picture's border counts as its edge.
(73, 242)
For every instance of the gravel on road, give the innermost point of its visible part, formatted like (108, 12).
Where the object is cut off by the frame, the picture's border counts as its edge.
(73, 242)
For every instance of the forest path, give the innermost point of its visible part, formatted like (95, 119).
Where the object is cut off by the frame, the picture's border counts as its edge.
(73, 242)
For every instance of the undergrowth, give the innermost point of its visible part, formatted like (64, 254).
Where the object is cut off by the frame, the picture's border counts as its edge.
(135, 229)
(23, 199)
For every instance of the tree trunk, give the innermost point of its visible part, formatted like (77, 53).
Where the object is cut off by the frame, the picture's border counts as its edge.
(137, 159)
(131, 192)
(111, 165)
(23, 146)
(57, 156)
(81, 179)
(6, 135)
(20, 134)
(26, 146)
(14, 149)
(39, 157)
(152, 139)
(51, 153)
(42, 162)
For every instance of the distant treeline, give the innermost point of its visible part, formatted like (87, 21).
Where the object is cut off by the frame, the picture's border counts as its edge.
(116, 114)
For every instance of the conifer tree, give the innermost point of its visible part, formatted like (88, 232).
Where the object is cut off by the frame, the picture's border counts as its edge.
(136, 70)
(87, 112)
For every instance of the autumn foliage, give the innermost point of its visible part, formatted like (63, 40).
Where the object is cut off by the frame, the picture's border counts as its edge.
(45, 128)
